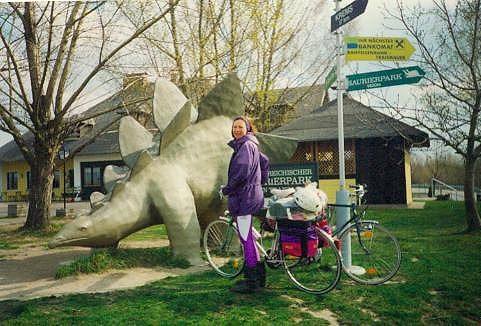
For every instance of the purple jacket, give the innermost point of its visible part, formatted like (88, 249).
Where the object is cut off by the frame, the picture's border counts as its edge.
(248, 170)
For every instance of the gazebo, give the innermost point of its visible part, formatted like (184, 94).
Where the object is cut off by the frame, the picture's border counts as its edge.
(377, 149)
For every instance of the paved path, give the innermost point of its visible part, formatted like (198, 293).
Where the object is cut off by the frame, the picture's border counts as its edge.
(29, 272)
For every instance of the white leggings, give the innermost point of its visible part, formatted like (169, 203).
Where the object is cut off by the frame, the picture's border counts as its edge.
(251, 254)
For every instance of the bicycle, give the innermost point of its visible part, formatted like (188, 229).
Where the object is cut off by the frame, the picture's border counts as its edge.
(317, 274)
(375, 251)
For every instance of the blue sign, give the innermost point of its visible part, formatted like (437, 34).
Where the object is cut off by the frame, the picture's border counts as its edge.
(347, 14)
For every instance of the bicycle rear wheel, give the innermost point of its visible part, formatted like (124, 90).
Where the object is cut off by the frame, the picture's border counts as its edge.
(223, 249)
(375, 250)
(318, 274)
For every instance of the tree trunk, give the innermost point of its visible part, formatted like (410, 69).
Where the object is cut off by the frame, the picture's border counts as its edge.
(472, 214)
(40, 197)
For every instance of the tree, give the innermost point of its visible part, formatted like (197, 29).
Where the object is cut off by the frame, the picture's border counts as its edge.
(439, 163)
(450, 99)
(270, 44)
(51, 53)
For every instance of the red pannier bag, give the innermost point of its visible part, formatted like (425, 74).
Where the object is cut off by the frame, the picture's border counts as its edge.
(298, 238)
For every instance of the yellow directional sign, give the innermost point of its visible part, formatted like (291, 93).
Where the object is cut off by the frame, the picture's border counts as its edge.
(377, 48)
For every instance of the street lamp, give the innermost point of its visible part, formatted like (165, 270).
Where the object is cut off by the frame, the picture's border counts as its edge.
(63, 155)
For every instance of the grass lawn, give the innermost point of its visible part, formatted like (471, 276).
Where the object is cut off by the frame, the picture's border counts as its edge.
(11, 238)
(439, 283)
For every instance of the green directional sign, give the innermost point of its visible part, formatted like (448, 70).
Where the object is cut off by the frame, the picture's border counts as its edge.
(384, 78)
(330, 79)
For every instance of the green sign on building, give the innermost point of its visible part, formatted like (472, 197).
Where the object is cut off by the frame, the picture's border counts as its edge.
(384, 78)
(292, 175)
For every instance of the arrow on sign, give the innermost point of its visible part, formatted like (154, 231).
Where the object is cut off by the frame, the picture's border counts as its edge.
(347, 14)
(384, 78)
(378, 48)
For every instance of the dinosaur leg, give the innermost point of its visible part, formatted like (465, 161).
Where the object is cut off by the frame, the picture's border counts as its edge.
(177, 208)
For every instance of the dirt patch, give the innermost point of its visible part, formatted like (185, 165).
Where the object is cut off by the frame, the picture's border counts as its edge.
(325, 314)
(28, 272)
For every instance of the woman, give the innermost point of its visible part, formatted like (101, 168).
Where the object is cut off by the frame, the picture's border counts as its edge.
(248, 170)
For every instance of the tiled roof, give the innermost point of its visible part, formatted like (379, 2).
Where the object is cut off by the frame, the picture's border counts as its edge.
(360, 121)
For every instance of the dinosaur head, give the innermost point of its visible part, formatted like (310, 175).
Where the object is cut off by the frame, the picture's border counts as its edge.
(83, 231)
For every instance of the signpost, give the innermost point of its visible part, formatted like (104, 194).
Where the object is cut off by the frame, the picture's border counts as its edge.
(362, 48)
(341, 17)
(330, 79)
(347, 14)
(384, 78)
(378, 48)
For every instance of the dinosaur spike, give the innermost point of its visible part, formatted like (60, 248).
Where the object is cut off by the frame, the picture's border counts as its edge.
(96, 200)
(112, 173)
(177, 125)
(118, 188)
(133, 139)
(224, 99)
(279, 149)
(144, 159)
(168, 100)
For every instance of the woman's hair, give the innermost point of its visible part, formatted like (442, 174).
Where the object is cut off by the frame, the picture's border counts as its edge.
(249, 126)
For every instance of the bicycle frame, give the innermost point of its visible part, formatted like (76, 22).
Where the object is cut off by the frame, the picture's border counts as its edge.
(354, 220)
(317, 273)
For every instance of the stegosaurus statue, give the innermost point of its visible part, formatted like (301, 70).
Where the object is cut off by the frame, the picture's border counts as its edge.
(172, 180)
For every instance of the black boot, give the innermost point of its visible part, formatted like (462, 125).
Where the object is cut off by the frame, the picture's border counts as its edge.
(249, 284)
(261, 274)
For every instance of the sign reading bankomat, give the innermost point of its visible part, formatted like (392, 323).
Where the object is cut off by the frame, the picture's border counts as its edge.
(291, 175)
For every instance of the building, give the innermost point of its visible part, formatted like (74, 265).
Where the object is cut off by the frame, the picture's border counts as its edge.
(377, 149)
(83, 171)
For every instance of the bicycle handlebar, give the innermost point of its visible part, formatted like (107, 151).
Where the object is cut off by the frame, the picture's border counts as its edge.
(359, 187)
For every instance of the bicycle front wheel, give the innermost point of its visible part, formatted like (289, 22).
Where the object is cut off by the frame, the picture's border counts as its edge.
(318, 274)
(375, 253)
(223, 249)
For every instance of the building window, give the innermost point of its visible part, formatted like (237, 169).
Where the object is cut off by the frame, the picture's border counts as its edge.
(12, 180)
(326, 155)
(29, 178)
(87, 176)
(96, 176)
(92, 176)
(56, 179)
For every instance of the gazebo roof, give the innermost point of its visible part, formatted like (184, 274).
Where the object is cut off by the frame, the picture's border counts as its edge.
(360, 121)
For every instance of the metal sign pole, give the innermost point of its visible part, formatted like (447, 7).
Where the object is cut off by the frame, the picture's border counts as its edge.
(342, 196)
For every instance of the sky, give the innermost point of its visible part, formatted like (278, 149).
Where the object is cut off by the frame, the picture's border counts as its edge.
(371, 23)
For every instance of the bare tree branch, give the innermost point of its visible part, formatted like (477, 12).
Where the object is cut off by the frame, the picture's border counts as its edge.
(99, 66)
